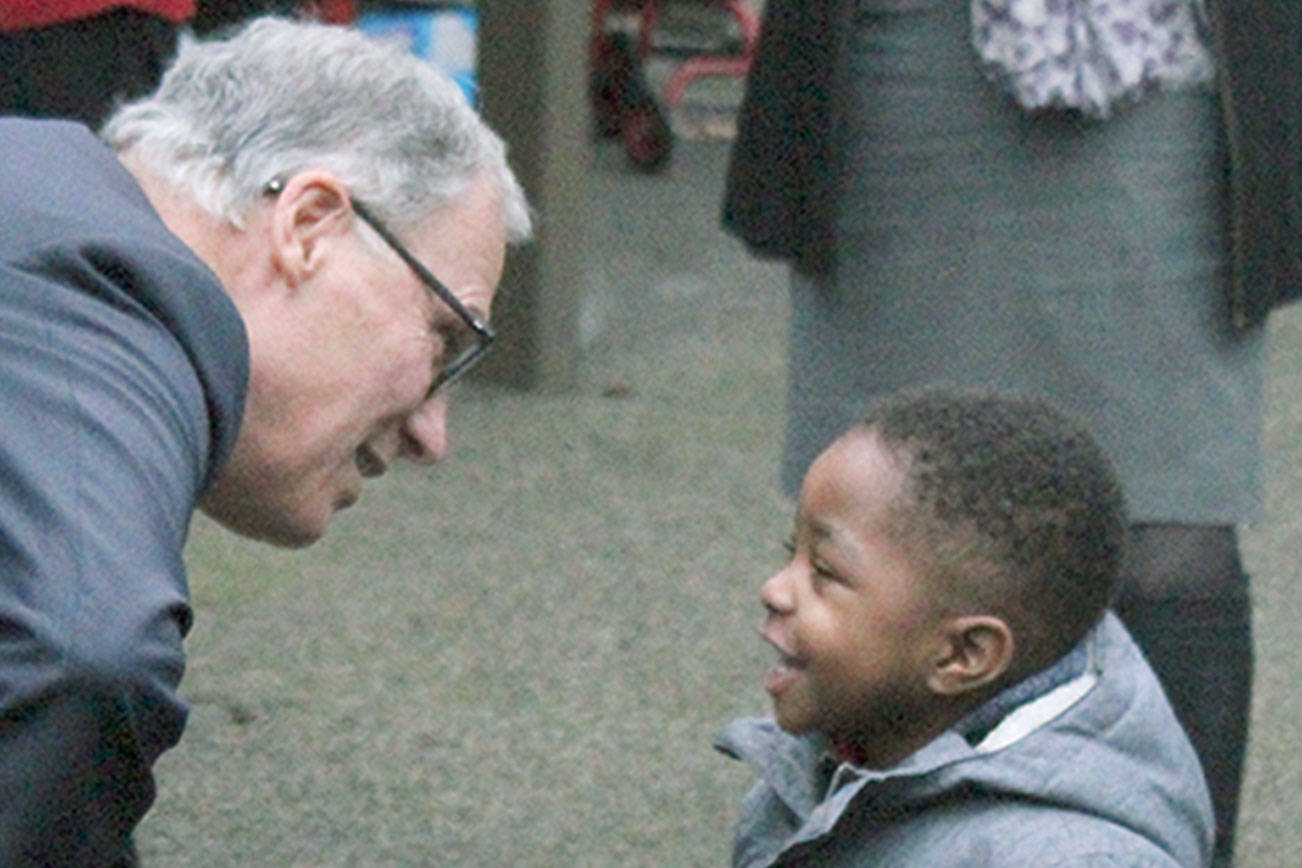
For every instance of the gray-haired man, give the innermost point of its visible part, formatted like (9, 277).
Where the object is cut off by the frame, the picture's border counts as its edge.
(250, 301)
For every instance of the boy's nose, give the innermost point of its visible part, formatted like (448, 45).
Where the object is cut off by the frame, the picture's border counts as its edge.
(776, 594)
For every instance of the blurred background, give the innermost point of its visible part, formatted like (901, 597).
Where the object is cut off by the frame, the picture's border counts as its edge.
(519, 657)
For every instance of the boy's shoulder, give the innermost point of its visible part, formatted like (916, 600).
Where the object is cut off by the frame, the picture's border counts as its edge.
(1109, 776)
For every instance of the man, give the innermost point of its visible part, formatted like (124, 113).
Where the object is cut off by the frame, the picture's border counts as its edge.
(216, 312)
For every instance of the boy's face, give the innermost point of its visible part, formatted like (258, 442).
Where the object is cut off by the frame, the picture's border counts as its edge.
(849, 615)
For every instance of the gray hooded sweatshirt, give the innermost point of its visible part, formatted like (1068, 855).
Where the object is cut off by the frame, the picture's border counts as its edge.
(1091, 769)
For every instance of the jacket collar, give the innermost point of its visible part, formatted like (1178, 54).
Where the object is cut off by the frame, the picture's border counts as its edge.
(803, 772)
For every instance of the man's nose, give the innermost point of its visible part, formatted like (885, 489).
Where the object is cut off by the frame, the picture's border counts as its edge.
(425, 431)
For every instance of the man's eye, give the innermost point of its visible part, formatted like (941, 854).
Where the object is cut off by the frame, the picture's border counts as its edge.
(790, 545)
(451, 345)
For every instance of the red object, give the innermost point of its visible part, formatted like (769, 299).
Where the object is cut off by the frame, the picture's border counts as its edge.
(648, 141)
(26, 14)
(733, 65)
(623, 104)
(736, 66)
(331, 11)
(614, 75)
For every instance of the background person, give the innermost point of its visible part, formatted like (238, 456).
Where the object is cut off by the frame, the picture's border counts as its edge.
(74, 58)
(949, 688)
(204, 312)
(1032, 196)
(79, 59)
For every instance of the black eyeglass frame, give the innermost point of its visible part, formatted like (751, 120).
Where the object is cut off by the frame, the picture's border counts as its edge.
(482, 330)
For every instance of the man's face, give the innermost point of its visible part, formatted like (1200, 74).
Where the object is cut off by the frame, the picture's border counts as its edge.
(341, 365)
(848, 614)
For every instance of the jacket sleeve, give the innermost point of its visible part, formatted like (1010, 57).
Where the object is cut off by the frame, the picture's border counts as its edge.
(1261, 99)
(779, 194)
(102, 428)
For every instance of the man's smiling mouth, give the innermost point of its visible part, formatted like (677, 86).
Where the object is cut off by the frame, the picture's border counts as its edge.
(368, 462)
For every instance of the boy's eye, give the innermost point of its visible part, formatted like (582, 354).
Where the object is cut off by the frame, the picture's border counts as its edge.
(822, 571)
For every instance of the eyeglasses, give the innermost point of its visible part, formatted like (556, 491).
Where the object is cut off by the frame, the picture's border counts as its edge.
(459, 358)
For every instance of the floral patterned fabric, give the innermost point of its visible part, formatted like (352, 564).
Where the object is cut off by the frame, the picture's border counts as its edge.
(1090, 55)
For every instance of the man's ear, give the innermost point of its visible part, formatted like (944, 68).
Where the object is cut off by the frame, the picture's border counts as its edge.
(975, 651)
(312, 207)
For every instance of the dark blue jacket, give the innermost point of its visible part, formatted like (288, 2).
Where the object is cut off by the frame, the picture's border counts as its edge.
(123, 367)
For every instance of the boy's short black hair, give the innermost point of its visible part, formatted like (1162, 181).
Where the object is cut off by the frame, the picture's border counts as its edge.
(1011, 508)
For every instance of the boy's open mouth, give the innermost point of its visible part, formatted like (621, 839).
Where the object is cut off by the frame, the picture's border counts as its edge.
(781, 675)
(785, 670)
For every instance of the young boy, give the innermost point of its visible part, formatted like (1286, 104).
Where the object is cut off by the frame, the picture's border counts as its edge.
(952, 688)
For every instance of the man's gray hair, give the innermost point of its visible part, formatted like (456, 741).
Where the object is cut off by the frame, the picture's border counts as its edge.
(279, 97)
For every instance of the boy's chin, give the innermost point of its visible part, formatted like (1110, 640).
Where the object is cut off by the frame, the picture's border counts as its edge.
(795, 724)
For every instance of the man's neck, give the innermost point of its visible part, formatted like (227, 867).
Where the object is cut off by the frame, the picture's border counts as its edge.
(224, 248)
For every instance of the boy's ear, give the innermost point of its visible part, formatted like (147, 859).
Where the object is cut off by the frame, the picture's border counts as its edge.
(976, 650)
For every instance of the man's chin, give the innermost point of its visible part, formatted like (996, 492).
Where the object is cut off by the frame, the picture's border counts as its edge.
(281, 531)
(296, 540)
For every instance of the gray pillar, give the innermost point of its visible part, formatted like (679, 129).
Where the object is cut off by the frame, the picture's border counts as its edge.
(533, 75)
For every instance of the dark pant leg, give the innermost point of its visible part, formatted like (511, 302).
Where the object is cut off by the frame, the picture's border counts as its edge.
(80, 69)
(1184, 597)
